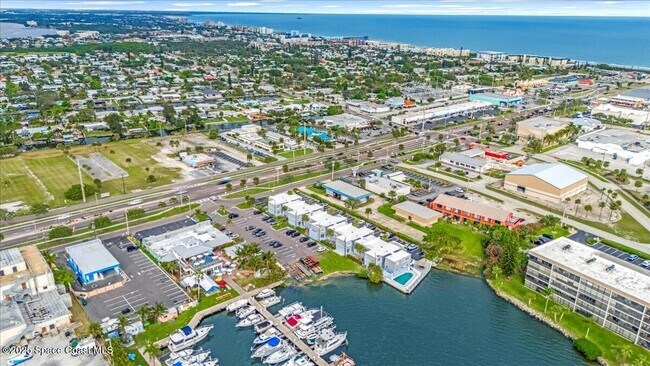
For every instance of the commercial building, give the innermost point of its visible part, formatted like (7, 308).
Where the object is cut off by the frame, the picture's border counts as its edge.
(587, 124)
(276, 202)
(453, 110)
(462, 161)
(196, 160)
(417, 213)
(382, 185)
(491, 56)
(496, 99)
(642, 94)
(539, 127)
(619, 144)
(611, 291)
(91, 261)
(462, 209)
(346, 120)
(545, 181)
(30, 305)
(346, 191)
(186, 243)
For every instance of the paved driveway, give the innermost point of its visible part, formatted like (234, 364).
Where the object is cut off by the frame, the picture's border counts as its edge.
(147, 284)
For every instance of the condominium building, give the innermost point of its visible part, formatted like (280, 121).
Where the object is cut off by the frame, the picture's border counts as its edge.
(612, 291)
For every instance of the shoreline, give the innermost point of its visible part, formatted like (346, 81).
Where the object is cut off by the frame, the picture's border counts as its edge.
(537, 315)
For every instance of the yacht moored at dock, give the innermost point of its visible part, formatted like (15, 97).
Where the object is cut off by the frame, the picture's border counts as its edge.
(250, 321)
(265, 336)
(274, 344)
(187, 337)
(328, 341)
(270, 301)
(267, 292)
(281, 355)
(236, 305)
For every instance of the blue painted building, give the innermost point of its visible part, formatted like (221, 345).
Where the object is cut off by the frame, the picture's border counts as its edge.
(91, 261)
(311, 132)
(345, 191)
(499, 100)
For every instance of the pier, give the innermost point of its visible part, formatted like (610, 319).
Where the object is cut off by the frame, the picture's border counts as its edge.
(250, 296)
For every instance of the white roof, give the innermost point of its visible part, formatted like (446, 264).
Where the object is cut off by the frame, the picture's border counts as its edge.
(378, 248)
(398, 256)
(557, 175)
(623, 277)
(346, 188)
(91, 256)
(350, 232)
(186, 242)
(282, 198)
(302, 207)
(417, 210)
(322, 218)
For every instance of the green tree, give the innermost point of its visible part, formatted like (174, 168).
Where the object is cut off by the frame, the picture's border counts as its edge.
(368, 212)
(63, 277)
(39, 209)
(74, 192)
(145, 311)
(548, 293)
(95, 330)
(59, 232)
(151, 350)
(375, 273)
(101, 222)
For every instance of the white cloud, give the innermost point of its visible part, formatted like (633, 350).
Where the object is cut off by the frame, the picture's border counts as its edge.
(244, 4)
(403, 6)
(190, 5)
(105, 3)
(331, 6)
(611, 2)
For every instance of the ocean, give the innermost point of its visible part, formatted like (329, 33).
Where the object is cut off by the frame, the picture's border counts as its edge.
(14, 30)
(448, 320)
(618, 41)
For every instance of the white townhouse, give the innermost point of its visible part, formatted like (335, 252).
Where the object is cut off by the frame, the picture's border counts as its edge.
(322, 221)
(294, 212)
(276, 202)
(347, 235)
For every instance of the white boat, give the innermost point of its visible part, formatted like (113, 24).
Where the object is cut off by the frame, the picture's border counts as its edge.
(264, 337)
(187, 337)
(212, 362)
(289, 310)
(300, 360)
(267, 292)
(328, 341)
(244, 312)
(20, 358)
(274, 344)
(236, 305)
(311, 339)
(304, 317)
(250, 320)
(192, 360)
(305, 330)
(270, 301)
(177, 356)
(281, 355)
(261, 327)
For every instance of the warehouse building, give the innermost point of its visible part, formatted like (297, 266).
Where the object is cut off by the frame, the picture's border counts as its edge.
(346, 120)
(496, 99)
(619, 144)
(381, 185)
(539, 127)
(346, 191)
(419, 214)
(90, 268)
(187, 242)
(614, 293)
(453, 110)
(548, 182)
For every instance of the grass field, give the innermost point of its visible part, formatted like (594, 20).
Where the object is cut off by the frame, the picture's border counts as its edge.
(331, 262)
(57, 172)
(298, 152)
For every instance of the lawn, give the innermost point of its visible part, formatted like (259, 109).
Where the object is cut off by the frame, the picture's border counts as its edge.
(575, 323)
(158, 331)
(280, 225)
(244, 205)
(298, 152)
(556, 231)
(57, 172)
(387, 210)
(319, 190)
(330, 262)
(470, 240)
(79, 316)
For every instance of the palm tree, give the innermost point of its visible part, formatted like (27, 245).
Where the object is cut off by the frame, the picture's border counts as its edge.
(588, 209)
(95, 330)
(329, 232)
(529, 297)
(496, 272)
(158, 310)
(198, 275)
(548, 293)
(602, 205)
(590, 323)
(49, 257)
(621, 352)
(122, 322)
(555, 309)
(144, 312)
(577, 202)
(368, 212)
(152, 351)
(305, 219)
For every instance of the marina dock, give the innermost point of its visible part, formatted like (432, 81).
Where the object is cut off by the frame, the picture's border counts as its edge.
(250, 296)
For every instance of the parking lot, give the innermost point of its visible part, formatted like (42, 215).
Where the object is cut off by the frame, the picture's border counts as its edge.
(290, 251)
(582, 236)
(148, 284)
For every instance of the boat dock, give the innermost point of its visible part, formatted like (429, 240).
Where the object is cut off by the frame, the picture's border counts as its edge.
(250, 296)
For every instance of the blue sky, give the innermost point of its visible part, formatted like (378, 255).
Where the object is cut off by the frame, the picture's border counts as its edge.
(638, 8)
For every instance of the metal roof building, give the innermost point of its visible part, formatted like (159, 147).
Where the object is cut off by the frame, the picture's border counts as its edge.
(550, 182)
(345, 191)
(417, 213)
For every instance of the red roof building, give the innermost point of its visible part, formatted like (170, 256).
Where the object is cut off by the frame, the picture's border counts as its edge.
(462, 209)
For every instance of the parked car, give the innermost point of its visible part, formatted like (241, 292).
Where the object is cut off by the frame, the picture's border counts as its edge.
(548, 236)
(294, 234)
(233, 215)
(249, 227)
(311, 244)
(645, 263)
(131, 248)
(321, 249)
(632, 257)
(257, 212)
(304, 239)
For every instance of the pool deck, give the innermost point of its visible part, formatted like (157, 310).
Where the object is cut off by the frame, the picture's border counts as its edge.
(419, 274)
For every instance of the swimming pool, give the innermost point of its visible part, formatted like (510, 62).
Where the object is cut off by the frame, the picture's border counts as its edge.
(404, 278)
